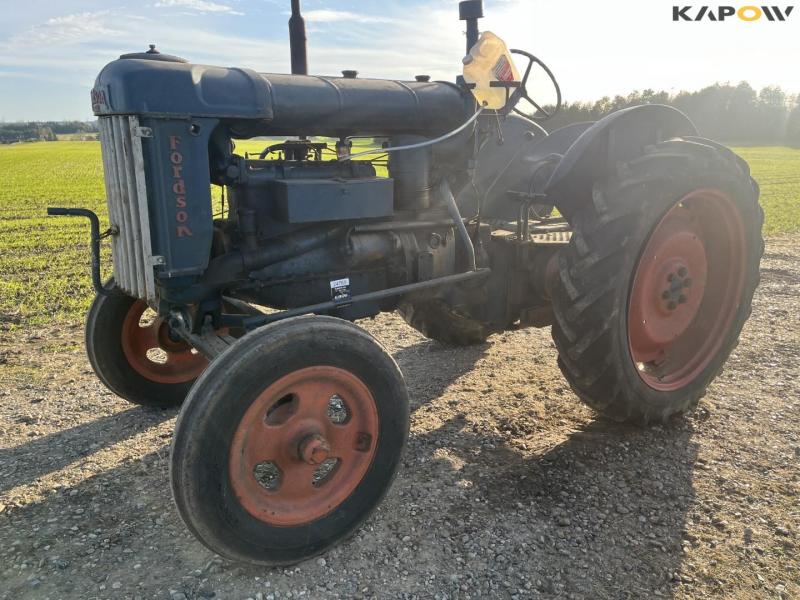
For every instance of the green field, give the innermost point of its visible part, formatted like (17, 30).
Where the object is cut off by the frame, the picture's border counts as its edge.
(44, 262)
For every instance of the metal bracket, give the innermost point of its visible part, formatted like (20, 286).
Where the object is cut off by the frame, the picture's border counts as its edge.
(112, 230)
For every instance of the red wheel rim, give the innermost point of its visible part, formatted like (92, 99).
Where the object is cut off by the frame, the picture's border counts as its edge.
(176, 363)
(303, 446)
(686, 289)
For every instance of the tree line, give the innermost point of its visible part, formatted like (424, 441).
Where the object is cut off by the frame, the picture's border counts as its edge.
(725, 112)
(44, 131)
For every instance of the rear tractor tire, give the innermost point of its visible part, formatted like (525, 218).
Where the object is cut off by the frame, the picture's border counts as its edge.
(658, 279)
(289, 440)
(437, 320)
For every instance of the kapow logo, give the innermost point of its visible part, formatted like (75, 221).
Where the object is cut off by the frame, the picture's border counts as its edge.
(722, 13)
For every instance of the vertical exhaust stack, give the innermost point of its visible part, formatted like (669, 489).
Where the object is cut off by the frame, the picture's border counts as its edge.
(297, 41)
(470, 11)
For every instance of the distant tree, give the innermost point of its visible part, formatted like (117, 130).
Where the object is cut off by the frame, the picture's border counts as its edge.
(733, 113)
(793, 125)
(46, 134)
(773, 112)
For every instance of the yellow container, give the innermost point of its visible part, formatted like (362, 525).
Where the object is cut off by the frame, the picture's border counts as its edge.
(489, 60)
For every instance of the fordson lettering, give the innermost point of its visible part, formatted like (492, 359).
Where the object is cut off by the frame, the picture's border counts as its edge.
(178, 188)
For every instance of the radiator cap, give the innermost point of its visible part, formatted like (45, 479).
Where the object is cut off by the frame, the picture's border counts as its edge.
(153, 54)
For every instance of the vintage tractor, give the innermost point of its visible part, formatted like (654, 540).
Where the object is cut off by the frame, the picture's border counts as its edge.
(637, 240)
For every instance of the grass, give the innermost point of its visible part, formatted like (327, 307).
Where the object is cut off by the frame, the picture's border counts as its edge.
(44, 261)
(777, 170)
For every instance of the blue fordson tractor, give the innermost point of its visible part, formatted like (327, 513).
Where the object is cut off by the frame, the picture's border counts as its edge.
(637, 241)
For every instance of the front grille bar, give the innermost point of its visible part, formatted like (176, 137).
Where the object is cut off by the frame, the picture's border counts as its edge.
(126, 192)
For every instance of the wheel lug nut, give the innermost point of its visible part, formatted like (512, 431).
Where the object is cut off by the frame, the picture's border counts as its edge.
(681, 299)
(665, 295)
(687, 282)
(682, 271)
(671, 305)
(670, 277)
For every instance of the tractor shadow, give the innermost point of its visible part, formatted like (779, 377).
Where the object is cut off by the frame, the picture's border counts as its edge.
(32, 460)
(600, 514)
(430, 367)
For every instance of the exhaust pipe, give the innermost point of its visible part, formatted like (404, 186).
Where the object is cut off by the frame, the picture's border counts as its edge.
(297, 41)
(470, 11)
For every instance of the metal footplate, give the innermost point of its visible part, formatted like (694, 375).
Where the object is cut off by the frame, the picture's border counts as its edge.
(209, 343)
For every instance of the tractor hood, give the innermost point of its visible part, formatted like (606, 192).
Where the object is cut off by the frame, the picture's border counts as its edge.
(277, 104)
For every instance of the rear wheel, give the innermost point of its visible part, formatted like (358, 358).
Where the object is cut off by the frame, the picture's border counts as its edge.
(136, 356)
(289, 440)
(436, 319)
(658, 280)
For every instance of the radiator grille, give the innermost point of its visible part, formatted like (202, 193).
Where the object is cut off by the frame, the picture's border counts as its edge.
(126, 195)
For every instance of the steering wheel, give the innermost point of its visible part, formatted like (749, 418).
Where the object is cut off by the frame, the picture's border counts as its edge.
(522, 91)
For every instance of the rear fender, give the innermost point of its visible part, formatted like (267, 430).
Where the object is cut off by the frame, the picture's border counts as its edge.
(521, 163)
(619, 137)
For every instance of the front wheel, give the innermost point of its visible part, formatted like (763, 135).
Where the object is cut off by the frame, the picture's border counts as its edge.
(135, 354)
(289, 440)
(658, 280)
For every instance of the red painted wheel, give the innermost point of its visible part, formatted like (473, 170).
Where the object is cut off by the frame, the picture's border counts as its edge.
(134, 355)
(153, 352)
(658, 279)
(304, 445)
(289, 440)
(686, 289)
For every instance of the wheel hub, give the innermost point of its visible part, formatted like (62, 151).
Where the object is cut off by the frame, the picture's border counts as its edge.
(662, 306)
(677, 288)
(313, 449)
(686, 288)
(153, 352)
(303, 446)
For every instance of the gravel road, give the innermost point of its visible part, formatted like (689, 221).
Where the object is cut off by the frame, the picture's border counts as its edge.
(509, 487)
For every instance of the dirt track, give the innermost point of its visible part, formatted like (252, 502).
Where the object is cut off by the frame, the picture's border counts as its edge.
(509, 487)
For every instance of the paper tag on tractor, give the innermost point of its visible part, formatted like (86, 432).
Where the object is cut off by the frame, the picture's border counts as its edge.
(489, 60)
(340, 290)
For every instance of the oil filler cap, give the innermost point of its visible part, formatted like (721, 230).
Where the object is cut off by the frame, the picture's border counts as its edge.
(153, 54)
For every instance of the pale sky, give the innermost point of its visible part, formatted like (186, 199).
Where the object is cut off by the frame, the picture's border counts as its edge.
(50, 51)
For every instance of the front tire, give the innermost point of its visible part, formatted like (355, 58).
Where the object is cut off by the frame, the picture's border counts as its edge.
(658, 280)
(289, 440)
(134, 355)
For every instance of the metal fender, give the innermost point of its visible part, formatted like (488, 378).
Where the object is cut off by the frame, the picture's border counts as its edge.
(619, 137)
(521, 162)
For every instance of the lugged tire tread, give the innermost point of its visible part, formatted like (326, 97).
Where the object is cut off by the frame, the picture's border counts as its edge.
(437, 320)
(586, 301)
